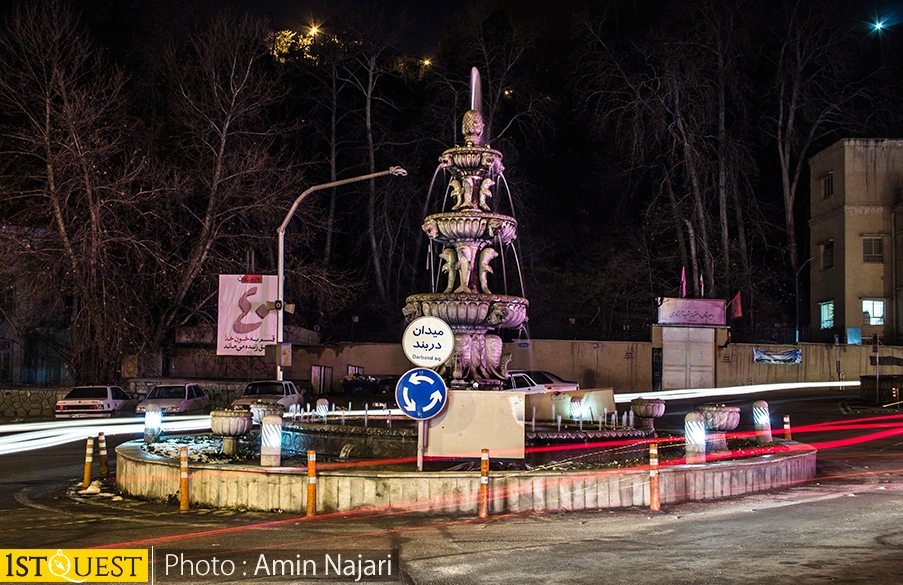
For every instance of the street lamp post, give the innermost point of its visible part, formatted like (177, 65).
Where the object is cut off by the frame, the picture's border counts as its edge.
(280, 269)
(798, 298)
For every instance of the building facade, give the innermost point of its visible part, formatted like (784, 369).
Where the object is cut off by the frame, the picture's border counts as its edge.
(856, 215)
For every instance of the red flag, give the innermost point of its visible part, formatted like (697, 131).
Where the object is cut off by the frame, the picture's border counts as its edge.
(683, 282)
(736, 309)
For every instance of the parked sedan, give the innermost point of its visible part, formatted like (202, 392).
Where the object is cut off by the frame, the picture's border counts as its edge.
(273, 391)
(176, 399)
(537, 382)
(95, 402)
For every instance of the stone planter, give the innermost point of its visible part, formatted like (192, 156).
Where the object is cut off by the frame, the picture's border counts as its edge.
(719, 419)
(262, 409)
(231, 424)
(647, 410)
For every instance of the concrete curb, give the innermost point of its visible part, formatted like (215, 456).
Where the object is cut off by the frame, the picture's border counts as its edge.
(252, 487)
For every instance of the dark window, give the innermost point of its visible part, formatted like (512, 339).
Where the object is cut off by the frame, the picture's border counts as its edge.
(873, 250)
(827, 185)
(256, 389)
(88, 392)
(827, 258)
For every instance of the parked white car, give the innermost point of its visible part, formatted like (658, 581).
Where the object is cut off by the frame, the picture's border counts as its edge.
(176, 399)
(272, 391)
(95, 402)
(537, 382)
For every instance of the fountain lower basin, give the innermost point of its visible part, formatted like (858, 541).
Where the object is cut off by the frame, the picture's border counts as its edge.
(455, 493)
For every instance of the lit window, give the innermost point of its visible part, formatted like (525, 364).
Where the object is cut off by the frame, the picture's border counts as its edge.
(827, 185)
(873, 250)
(827, 254)
(827, 314)
(873, 312)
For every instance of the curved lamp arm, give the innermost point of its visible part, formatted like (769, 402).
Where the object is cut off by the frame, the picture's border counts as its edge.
(280, 233)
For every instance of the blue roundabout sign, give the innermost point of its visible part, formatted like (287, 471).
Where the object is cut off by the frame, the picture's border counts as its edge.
(421, 393)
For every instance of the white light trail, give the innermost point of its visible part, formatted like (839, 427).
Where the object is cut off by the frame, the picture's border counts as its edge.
(31, 436)
(727, 390)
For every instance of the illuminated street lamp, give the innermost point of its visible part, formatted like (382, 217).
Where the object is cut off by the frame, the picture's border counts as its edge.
(280, 302)
(798, 298)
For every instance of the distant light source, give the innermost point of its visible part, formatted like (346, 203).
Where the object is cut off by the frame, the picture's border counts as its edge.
(427, 62)
(314, 30)
(878, 25)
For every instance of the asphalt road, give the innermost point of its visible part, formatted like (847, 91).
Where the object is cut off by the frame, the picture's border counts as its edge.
(846, 526)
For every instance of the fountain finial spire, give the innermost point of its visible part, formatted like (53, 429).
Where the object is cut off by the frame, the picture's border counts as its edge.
(472, 126)
(476, 96)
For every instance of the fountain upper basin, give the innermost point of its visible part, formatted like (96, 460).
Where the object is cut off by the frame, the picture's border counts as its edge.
(471, 310)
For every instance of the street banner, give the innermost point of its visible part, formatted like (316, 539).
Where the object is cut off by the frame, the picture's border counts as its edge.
(245, 325)
(790, 356)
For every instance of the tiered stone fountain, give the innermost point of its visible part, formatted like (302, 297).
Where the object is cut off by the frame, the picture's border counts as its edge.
(472, 237)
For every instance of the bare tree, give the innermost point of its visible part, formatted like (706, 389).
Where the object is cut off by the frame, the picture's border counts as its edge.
(815, 79)
(228, 171)
(501, 40)
(70, 184)
(372, 36)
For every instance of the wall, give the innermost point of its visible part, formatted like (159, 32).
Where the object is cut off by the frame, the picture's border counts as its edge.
(621, 365)
(736, 367)
(19, 402)
(265, 488)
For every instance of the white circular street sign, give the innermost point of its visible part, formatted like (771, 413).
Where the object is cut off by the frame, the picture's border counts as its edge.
(428, 342)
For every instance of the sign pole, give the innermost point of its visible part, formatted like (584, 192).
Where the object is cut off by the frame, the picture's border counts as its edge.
(422, 433)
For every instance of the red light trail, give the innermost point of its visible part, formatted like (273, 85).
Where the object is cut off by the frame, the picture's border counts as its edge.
(885, 427)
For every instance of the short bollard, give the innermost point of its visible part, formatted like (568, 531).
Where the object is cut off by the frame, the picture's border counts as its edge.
(787, 428)
(311, 483)
(271, 441)
(183, 479)
(153, 423)
(655, 495)
(89, 459)
(762, 422)
(694, 437)
(484, 483)
(104, 462)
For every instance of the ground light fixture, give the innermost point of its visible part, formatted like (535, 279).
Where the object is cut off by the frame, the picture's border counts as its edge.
(694, 433)
(762, 421)
(153, 424)
(271, 441)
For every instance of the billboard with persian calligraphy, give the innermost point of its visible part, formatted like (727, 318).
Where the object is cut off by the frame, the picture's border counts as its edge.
(244, 324)
(674, 311)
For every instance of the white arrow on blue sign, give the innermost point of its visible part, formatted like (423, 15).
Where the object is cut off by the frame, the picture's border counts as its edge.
(421, 393)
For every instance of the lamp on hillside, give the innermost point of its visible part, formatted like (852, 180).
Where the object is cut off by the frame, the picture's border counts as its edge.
(280, 302)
